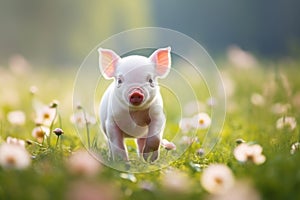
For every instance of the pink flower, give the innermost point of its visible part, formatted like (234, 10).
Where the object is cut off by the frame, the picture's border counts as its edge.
(168, 145)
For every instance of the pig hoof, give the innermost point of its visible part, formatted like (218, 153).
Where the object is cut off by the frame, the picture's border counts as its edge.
(151, 157)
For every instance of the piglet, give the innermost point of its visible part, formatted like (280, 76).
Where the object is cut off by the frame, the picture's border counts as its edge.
(132, 105)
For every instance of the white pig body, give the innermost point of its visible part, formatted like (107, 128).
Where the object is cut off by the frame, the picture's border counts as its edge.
(132, 105)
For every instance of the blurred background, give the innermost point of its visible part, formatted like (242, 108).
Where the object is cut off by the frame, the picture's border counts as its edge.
(62, 32)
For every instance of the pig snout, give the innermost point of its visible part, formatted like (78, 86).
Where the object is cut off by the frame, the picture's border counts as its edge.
(136, 97)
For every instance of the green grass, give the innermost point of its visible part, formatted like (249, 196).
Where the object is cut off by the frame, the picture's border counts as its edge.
(48, 177)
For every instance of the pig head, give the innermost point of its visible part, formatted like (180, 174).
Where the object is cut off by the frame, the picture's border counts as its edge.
(132, 105)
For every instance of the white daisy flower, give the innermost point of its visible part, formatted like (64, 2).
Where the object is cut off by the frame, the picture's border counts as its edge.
(14, 156)
(45, 116)
(201, 121)
(286, 122)
(15, 141)
(217, 178)
(81, 162)
(295, 147)
(257, 99)
(81, 120)
(280, 108)
(40, 133)
(240, 190)
(185, 124)
(245, 152)
(176, 181)
(16, 117)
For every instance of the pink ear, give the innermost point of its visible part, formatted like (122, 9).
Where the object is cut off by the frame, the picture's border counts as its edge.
(107, 62)
(162, 59)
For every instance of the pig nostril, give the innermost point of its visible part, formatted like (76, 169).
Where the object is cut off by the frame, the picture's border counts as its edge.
(136, 98)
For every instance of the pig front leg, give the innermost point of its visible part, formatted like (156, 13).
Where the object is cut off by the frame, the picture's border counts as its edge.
(116, 142)
(155, 131)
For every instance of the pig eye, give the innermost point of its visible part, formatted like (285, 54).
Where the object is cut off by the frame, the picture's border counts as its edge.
(119, 82)
(151, 82)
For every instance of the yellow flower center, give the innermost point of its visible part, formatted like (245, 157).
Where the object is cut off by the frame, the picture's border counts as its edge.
(40, 133)
(11, 160)
(219, 180)
(46, 116)
(201, 121)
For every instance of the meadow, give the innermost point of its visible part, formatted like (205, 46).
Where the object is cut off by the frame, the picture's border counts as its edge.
(257, 156)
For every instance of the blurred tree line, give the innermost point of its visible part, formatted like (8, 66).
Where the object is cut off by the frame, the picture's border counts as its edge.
(64, 31)
(268, 28)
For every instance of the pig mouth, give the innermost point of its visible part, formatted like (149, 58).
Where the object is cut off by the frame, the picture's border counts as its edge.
(136, 97)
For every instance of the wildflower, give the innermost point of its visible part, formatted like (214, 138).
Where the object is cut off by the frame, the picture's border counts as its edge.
(257, 99)
(200, 152)
(168, 145)
(45, 116)
(15, 141)
(211, 101)
(81, 120)
(40, 133)
(54, 104)
(201, 121)
(91, 190)
(217, 178)
(241, 58)
(185, 125)
(58, 131)
(147, 185)
(176, 181)
(14, 156)
(295, 147)
(81, 162)
(16, 117)
(19, 65)
(280, 108)
(245, 152)
(187, 140)
(33, 89)
(286, 122)
(240, 190)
